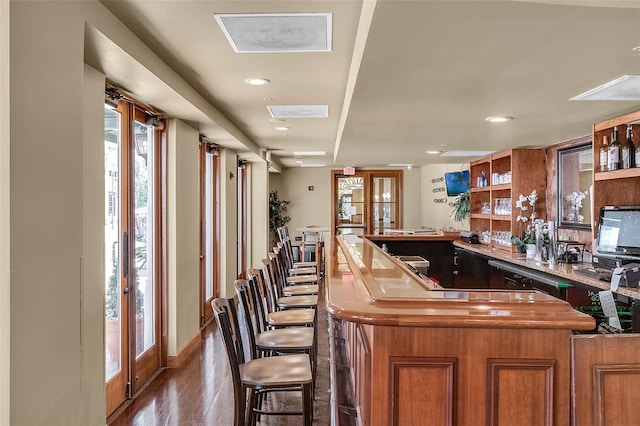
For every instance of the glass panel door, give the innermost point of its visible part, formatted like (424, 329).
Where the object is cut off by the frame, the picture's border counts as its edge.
(116, 374)
(209, 225)
(351, 205)
(131, 230)
(384, 204)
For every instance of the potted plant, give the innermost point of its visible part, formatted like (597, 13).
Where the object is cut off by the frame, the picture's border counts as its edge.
(524, 241)
(462, 206)
(277, 213)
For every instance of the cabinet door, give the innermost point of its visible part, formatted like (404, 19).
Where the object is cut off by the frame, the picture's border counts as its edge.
(606, 379)
(470, 270)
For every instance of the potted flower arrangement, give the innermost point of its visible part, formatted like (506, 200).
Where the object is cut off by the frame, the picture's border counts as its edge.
(525, 241)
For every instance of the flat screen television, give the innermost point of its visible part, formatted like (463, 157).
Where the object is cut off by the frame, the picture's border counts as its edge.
(619, 231)
(456, 182)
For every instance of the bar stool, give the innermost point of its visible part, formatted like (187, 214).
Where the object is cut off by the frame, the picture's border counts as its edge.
(274, 286)
(261, 376)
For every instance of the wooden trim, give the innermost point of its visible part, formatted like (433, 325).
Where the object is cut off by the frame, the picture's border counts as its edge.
(175, 361)
(500, 390)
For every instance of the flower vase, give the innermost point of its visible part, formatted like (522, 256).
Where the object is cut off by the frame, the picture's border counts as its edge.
(531, 251)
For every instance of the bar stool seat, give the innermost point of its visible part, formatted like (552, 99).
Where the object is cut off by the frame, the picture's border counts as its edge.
(276, 371)
(294, 302)
(300, 290)
(289, 318)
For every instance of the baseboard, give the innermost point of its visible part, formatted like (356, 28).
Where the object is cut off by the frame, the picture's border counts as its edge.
(175, 361)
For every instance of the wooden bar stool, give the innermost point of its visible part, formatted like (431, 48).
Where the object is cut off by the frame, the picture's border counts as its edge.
(261, 376)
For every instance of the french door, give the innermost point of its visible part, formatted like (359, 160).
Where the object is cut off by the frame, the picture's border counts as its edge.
(368, 202)
(132, 251)
(209, 229)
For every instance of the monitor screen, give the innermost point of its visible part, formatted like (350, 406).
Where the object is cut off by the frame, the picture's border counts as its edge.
(619, 230)
(456, 182)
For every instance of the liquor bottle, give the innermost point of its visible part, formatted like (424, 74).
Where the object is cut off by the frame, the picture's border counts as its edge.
(614, 151)
(627, 151)
(604, 154)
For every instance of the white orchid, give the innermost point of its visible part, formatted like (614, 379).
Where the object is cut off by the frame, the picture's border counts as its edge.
(520, 203)
(533, 197)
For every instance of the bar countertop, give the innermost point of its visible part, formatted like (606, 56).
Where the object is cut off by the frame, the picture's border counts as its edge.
(560, 270)
(366, 285)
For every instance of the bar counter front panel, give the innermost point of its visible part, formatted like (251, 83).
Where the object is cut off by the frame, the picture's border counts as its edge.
(421, 355)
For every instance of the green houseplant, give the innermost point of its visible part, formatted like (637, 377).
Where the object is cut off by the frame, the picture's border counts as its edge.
(462, 206)
(277, 213)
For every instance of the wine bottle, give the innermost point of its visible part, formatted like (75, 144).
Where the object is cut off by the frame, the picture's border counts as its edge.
(627, 151)
(614, 151)
(604, 154)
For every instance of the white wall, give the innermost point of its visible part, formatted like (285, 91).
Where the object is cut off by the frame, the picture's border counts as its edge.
(183, 235)
(438, 214)
(5, 294)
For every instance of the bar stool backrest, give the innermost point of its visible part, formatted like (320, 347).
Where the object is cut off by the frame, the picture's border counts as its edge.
(227, 318)
(249, 310)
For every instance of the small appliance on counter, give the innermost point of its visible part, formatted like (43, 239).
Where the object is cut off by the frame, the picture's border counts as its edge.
(416, 263)
(470, 237)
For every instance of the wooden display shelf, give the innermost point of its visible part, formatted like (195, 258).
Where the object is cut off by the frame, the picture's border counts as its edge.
(501, 217)
(480, 216)
(618, 174)
(501, 187)
(481, 189)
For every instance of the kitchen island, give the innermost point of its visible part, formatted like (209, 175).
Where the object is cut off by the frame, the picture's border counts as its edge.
(420, 354)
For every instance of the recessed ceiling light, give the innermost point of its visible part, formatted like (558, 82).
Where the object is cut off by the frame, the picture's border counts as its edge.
(257, 81)
(309, 153)
(433, 152)
(282, 128)
(498, 119)
(399, 165)
(467, 153)
(311, 165)
(299, 161)
(276, 120)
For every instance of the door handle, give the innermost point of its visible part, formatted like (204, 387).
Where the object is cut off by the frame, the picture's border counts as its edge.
(455, 260)
(125, 254)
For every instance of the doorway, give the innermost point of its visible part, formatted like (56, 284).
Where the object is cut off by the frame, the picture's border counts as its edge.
(367, 202)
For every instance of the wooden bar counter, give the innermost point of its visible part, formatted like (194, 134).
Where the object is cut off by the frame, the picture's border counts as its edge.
(423, 355)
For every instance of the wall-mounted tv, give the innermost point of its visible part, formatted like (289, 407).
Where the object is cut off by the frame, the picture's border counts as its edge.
(456, 182)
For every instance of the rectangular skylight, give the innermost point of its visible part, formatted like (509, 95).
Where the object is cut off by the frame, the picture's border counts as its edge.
(298, 111)
(625, 88)
(276, 32)
(309, 153)
(466, 153)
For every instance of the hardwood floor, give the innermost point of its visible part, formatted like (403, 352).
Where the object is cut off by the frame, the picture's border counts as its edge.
(201, 392)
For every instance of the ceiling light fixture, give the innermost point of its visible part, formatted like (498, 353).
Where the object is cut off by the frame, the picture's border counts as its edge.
(625, 88)
(433, 152)
(282, 128)
(309, 153)
(257, 81)
(498, 119)
(312, 165)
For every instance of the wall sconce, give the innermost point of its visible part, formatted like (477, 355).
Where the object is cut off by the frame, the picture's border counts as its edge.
(231, 175)
(267, 156)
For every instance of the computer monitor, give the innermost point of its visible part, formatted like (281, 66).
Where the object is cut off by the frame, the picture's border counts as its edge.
(619, 231)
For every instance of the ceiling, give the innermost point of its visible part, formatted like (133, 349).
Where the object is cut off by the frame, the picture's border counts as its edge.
(403, 77)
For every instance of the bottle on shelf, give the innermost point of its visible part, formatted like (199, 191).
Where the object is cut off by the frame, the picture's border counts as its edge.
(614, 151)
(627, 151)
(604, 154)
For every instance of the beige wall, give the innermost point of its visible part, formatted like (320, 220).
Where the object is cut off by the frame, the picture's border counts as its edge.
(5, 294)
(412, 199)
(306, 207)
(434, 214)
(48, 327)
(259, 213)
(92, 261)
(183, 235)
(229, 222)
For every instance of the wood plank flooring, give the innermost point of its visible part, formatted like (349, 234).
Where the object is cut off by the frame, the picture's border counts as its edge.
(201, 392)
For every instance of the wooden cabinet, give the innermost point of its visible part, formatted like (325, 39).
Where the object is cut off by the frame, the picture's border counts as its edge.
(525, 170)
(470, 270)
(618, 187)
